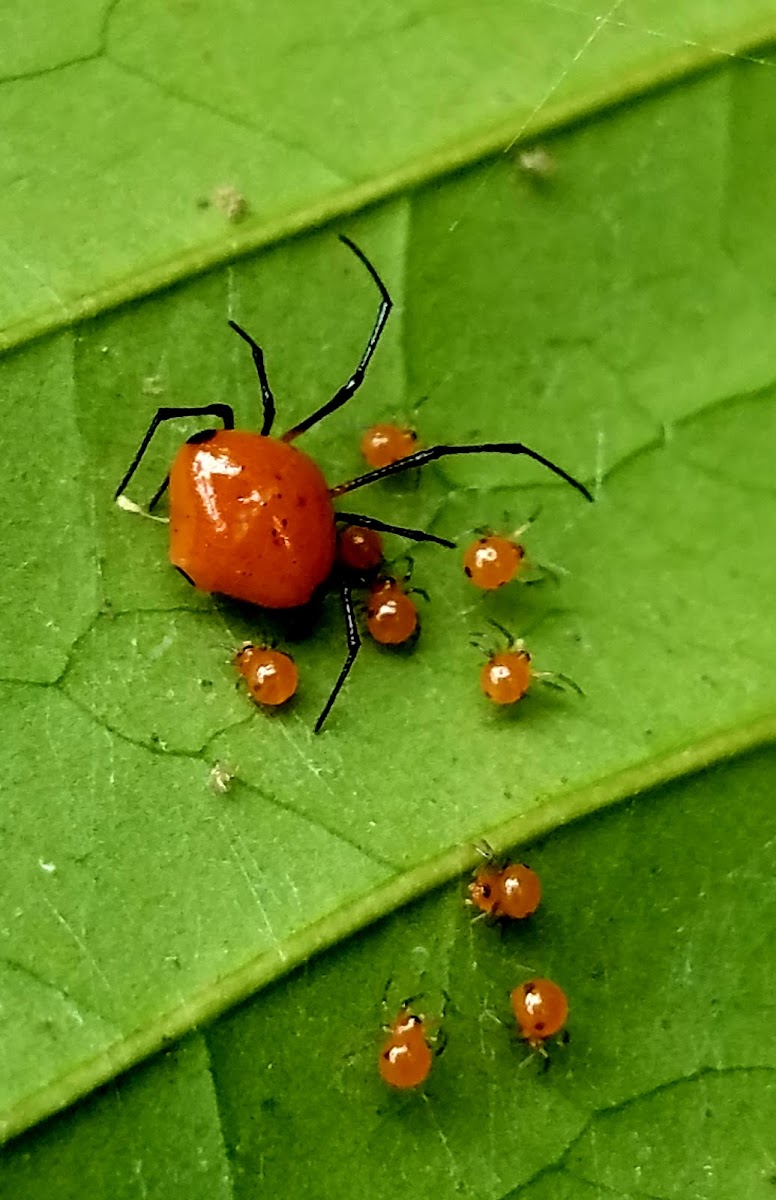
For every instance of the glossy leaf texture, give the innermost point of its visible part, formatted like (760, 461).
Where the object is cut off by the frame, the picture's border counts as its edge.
(657, 920)
(144, 141)
(617, 315)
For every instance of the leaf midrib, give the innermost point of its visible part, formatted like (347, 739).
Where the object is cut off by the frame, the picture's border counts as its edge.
(551, 115)
(211, 1001)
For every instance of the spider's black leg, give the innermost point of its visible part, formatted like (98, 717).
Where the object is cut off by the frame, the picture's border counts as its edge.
(224, 413)
(441, 1043)
(414, 535)
(357, 378)
(422, 457)
(267, 399)
(354, 645)
(162, 488)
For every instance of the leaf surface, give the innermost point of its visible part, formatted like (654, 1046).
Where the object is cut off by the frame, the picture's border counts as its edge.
(123, 119)
(656, 919)
(569, 312)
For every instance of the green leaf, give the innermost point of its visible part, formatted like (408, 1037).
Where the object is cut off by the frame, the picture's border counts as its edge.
(617, 315)
(656, 919)
(122, 118)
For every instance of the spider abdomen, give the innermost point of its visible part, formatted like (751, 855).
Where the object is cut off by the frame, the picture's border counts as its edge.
(251, 517)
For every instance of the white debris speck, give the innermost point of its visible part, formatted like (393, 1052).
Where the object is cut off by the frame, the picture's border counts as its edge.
(537, 161)
(161, 648)
(153, 386)
(129, 506)
(229, 201)
(220, 778)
